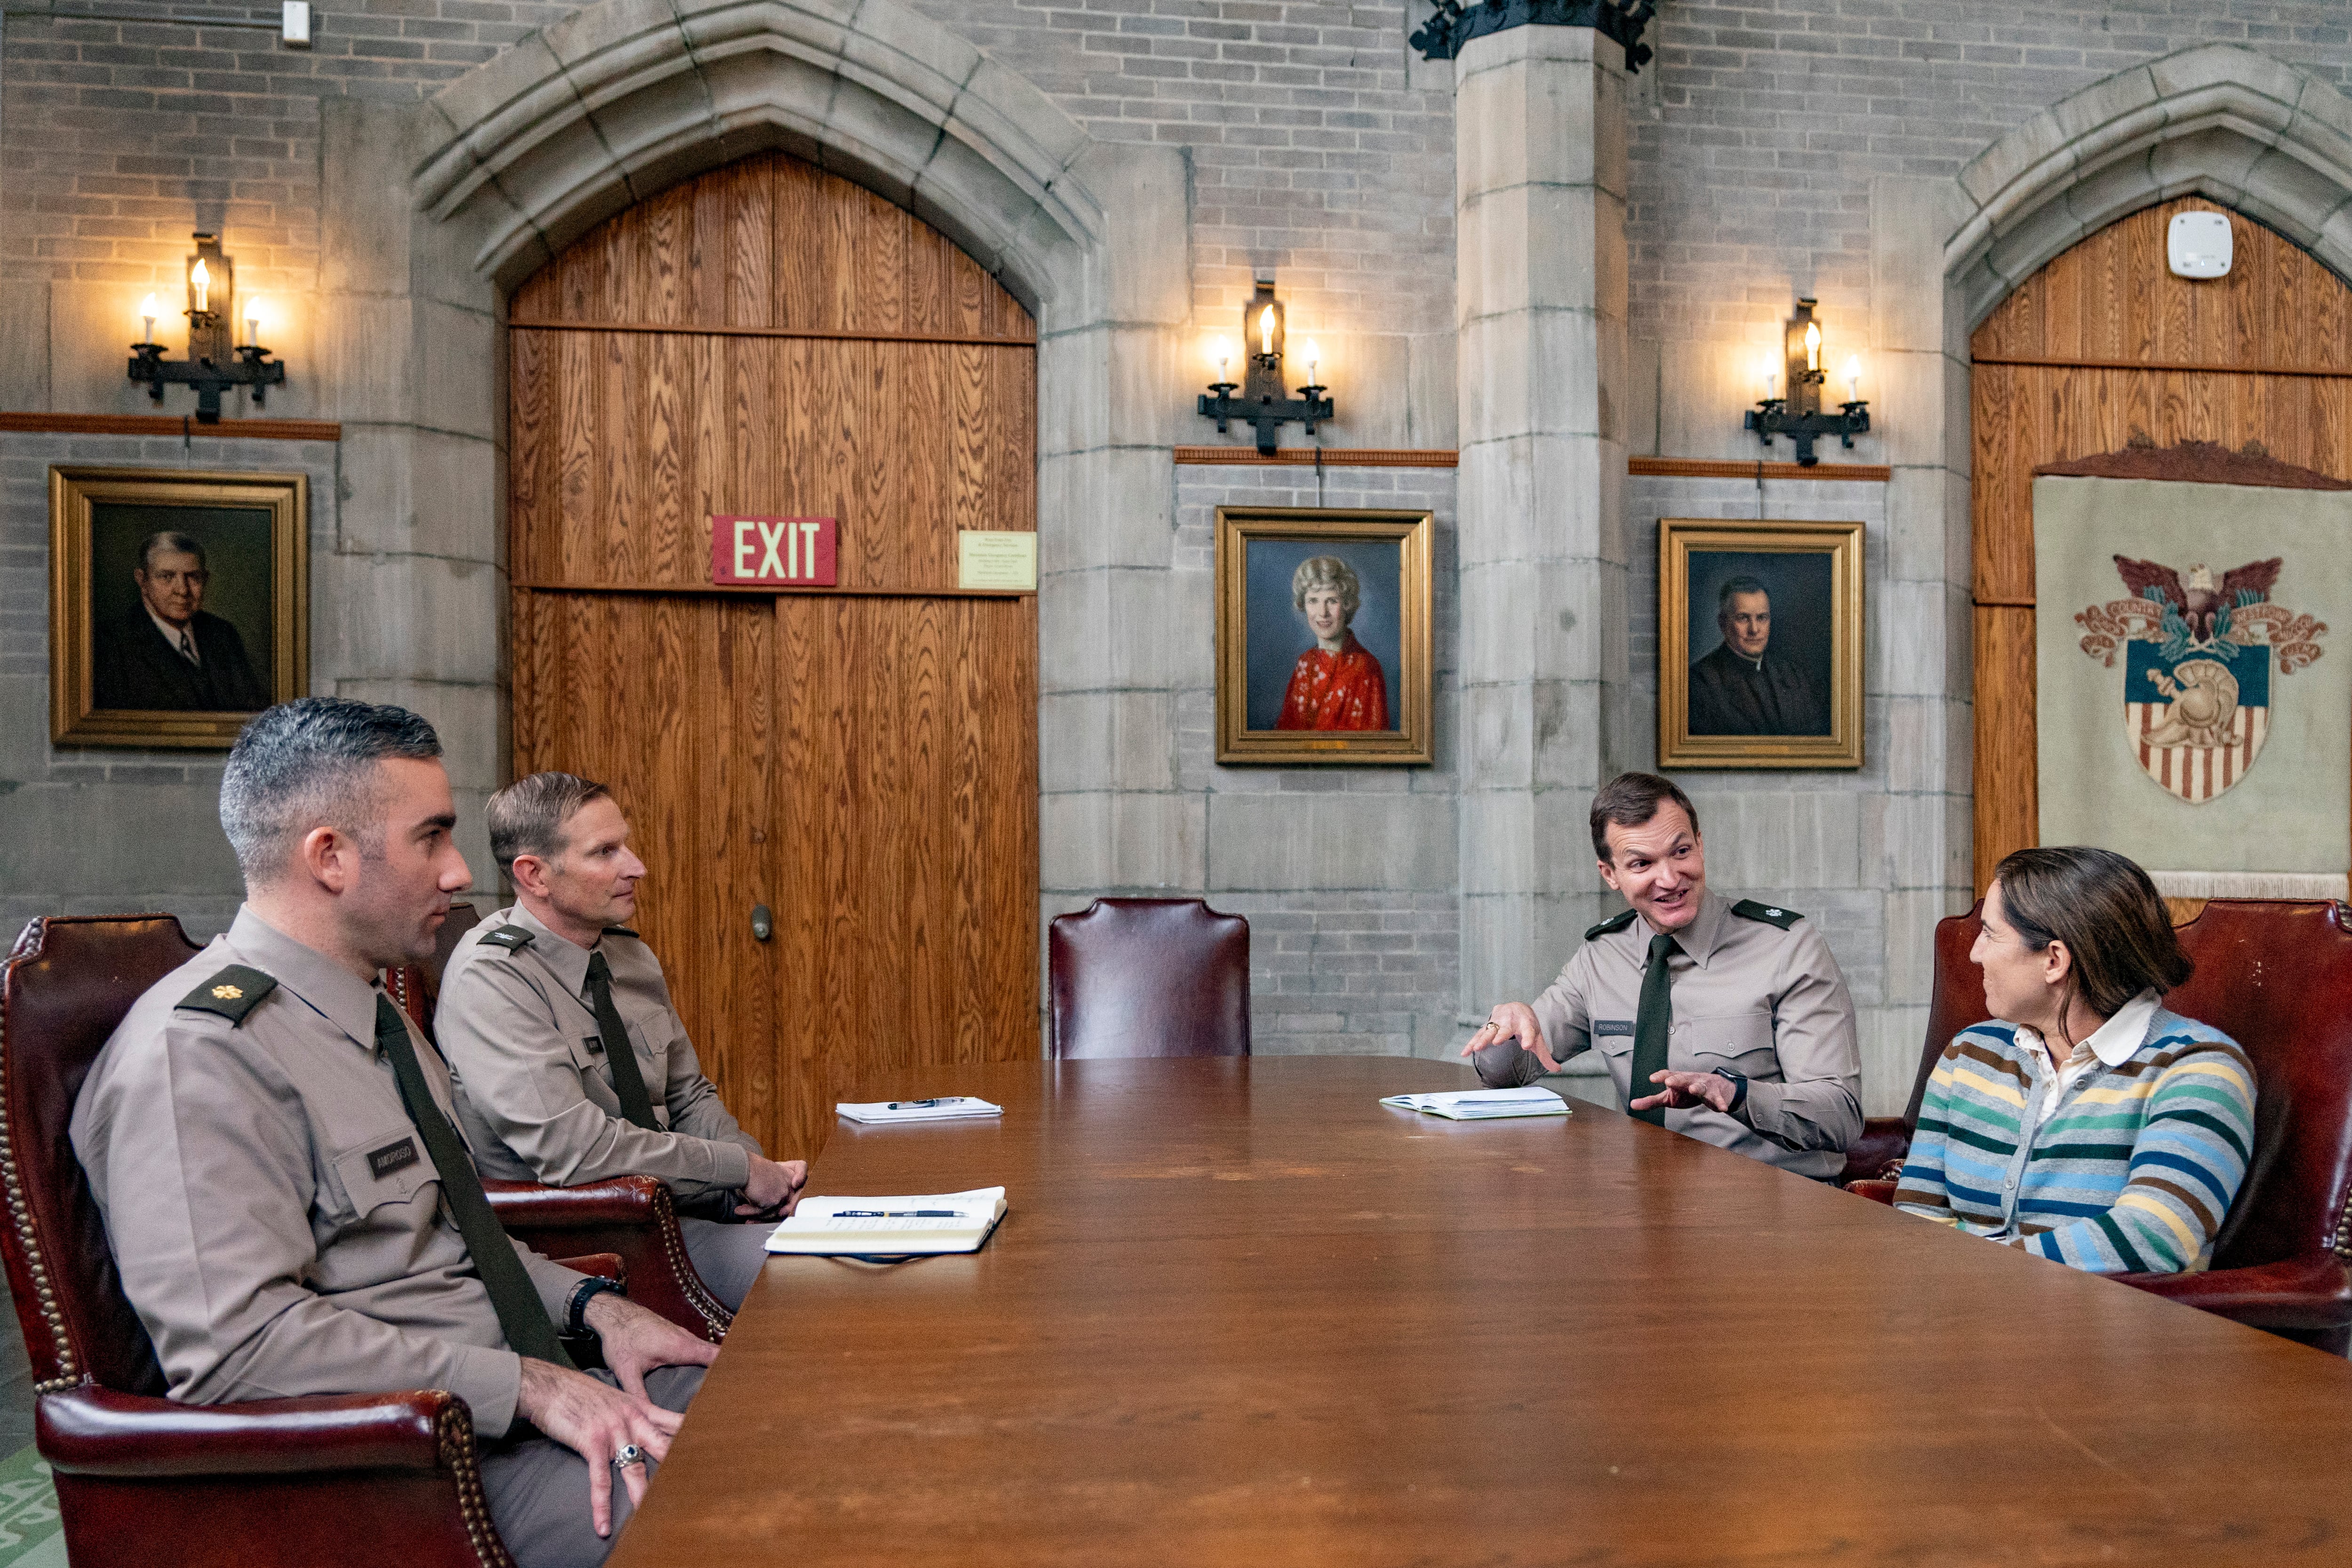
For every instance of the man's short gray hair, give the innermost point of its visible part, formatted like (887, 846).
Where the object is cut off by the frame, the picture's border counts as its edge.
(311, 763)
(527, 818)
(171, 539)
(1739, 585)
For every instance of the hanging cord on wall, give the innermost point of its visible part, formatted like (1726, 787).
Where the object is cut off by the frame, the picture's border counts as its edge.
(1759, 490)
(1318, 473)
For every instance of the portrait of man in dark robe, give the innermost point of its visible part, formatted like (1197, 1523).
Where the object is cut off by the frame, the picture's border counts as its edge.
(166, 651)
(1750, 685)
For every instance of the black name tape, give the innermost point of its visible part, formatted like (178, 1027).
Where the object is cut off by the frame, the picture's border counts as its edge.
(1612, 1026)
(391, 1157)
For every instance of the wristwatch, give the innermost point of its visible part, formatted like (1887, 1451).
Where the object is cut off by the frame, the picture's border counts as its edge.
(575, 1309)
(1738, 1089)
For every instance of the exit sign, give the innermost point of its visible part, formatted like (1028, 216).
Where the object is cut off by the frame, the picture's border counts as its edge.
(756, 551)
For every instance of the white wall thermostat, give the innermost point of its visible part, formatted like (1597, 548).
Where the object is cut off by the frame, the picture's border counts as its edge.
(2198, 245)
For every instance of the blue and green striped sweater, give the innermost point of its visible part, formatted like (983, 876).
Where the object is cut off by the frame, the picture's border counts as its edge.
(2132, 1174)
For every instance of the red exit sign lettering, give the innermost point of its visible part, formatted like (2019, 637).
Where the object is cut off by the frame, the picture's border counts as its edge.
(795, 550)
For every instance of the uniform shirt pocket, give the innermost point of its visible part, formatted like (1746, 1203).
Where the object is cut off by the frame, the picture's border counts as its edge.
(1740, 1041)
(387, 1168)
(1612, 1036)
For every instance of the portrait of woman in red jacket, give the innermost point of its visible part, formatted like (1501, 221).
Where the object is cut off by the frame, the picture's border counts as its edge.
(1337, 684)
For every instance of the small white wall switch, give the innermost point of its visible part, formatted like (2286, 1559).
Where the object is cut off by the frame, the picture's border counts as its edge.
(294, 24)
(2198, 245)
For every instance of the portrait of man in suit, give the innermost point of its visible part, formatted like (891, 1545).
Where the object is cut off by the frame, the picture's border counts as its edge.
(165, 651)
(1754, 682)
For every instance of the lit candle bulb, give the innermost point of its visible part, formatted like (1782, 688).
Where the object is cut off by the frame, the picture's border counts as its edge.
(1854, 379)
(147, 315)
(1221, 351)
(1314, 358)
(1265, 330)
(1812, 345)
(253, 321)
(1771, 373)
(201, 281)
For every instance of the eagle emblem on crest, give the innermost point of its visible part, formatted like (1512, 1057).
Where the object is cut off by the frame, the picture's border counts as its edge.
(2196, 666)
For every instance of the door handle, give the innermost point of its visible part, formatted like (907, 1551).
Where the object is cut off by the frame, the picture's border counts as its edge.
(764, 924)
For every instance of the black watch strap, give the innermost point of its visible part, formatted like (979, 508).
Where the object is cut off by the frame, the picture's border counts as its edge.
(1738, 1089)
(575, 1311)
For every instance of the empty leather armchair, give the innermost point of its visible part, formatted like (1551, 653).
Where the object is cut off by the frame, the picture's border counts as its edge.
(140, 1477)
(1148, 977)
(2276, 976)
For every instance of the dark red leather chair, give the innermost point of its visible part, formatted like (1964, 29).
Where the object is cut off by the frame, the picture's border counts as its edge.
(375, 1480)
(633, 1218)
(2276, 976)
(1148, 977)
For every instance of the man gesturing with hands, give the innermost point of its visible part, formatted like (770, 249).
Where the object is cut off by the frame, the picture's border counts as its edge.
(274, 1149)
(1731, 1024)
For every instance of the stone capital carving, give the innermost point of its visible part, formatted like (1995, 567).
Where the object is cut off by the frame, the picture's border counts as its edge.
(1456, 22)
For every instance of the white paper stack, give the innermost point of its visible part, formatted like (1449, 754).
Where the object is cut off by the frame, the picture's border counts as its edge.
(890, 1227)
(1484, 1104)
(949, 1107)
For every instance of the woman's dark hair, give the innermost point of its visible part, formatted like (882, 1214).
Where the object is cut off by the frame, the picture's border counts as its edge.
(2106, 911)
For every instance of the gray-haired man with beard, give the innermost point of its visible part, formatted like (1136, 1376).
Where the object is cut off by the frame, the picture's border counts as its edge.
(273, 1147)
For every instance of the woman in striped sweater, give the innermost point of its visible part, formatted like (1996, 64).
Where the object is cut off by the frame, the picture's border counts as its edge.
(2084, 1122)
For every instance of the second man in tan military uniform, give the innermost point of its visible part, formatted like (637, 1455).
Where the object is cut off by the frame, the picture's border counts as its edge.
(1760, 1053)
(542, 1097)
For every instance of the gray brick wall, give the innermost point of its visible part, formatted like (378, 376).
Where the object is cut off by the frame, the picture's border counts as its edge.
(1761, 123)
(1369, 959)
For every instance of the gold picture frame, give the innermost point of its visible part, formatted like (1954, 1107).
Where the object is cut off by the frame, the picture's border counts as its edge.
(1288, 694)
(243, 604)
(1796, 702)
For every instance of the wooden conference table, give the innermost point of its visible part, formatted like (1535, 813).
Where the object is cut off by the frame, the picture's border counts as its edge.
(1241, 1314)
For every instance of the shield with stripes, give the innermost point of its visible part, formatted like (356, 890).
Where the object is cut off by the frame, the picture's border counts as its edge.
(2197, 722)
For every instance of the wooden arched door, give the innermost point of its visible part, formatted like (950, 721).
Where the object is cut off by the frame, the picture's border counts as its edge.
(770, 340)
(2105, 349)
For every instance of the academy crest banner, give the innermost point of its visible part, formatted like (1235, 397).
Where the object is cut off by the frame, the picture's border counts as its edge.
(2194, 707)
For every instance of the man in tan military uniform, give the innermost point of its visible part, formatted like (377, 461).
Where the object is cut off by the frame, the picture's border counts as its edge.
(271, 1145)
(1752, 1040)
(542, 1094)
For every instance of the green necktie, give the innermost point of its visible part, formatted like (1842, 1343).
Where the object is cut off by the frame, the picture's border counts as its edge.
(1651, 1027)
(628, 1083)
(524, 1318)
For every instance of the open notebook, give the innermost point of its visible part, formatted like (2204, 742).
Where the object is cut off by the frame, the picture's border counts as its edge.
(1484, 1104)
(890, 1227)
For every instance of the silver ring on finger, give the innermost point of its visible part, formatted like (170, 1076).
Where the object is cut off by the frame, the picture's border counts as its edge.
(630, 1454)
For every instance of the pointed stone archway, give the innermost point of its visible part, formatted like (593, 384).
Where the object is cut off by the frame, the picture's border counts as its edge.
(508, 163)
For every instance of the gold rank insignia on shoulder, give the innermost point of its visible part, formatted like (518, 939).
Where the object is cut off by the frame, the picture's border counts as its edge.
(232, 994)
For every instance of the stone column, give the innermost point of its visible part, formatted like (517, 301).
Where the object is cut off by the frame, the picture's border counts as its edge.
(1540, 136)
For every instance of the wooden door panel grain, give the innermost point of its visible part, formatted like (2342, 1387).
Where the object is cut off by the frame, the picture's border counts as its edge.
(769, 339)
(917, 944)
(2102, 349)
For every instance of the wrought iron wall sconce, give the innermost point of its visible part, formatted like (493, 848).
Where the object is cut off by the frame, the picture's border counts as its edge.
(1262, 403)
(1799, 416)
(216, 361)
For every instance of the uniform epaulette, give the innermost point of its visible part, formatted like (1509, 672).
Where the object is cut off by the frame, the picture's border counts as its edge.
(1614, 923)
(514, 939)
(1770, 915)
(232, 994)
(621, 931)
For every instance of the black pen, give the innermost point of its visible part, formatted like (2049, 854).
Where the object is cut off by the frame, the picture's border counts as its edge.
(922, 1104)
(897, 1214)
